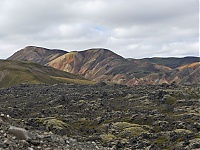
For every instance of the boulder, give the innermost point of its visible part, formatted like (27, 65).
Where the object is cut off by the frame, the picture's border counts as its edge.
(20, 133)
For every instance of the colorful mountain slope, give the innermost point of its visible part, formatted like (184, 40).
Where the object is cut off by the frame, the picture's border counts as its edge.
(104, 65)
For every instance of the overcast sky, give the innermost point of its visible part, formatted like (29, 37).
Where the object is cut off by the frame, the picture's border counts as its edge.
(131, 28)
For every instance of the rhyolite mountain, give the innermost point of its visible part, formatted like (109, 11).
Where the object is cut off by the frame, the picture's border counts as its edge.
(17, 72)
(104, 65)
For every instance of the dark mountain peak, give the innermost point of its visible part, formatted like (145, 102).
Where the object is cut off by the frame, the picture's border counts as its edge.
(33, 47)
(42, 49)
(192, 57)
(105, 53)
(37, 54)
(99, 50)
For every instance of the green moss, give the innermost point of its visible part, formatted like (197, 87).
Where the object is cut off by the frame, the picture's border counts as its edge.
(55, 124)
(107, 137)
(128, 130)
(17, 77)
(183, 131)
(133, 131)
(169, 100)
(83, 126)
(75, 81)
(161, 139)
(122, 125)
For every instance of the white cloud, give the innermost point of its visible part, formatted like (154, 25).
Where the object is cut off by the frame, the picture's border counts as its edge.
(131, 28)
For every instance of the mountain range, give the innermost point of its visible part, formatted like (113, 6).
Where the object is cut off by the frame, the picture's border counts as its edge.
(104, 65)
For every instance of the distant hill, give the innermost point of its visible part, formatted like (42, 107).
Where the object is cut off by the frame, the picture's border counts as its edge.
(171, 62)
(193, 66)
(104, 65)
(193, 71)
(186, 74)
(37, 54)
(17, 72)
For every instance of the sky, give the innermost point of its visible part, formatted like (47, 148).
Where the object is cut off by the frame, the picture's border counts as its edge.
(130, 28)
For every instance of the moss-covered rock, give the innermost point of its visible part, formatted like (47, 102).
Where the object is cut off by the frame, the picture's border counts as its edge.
(128, 130)
(107, 137)
(134, 131)
(169, 100)
(56, 126)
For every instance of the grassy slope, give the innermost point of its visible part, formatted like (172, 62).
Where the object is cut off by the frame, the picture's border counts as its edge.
(15, 72)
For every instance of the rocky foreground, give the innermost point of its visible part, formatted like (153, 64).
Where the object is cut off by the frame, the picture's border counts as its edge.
(101, 116)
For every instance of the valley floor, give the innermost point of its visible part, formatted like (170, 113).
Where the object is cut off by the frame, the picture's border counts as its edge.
(101, 116)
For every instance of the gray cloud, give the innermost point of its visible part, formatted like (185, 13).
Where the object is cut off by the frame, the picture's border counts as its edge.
(131, 28)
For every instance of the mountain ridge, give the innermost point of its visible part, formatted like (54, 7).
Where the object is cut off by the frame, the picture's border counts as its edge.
(37, 54)
(104, 65)
(172, 62)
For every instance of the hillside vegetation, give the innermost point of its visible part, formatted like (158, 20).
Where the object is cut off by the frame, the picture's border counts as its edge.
(16, 72)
